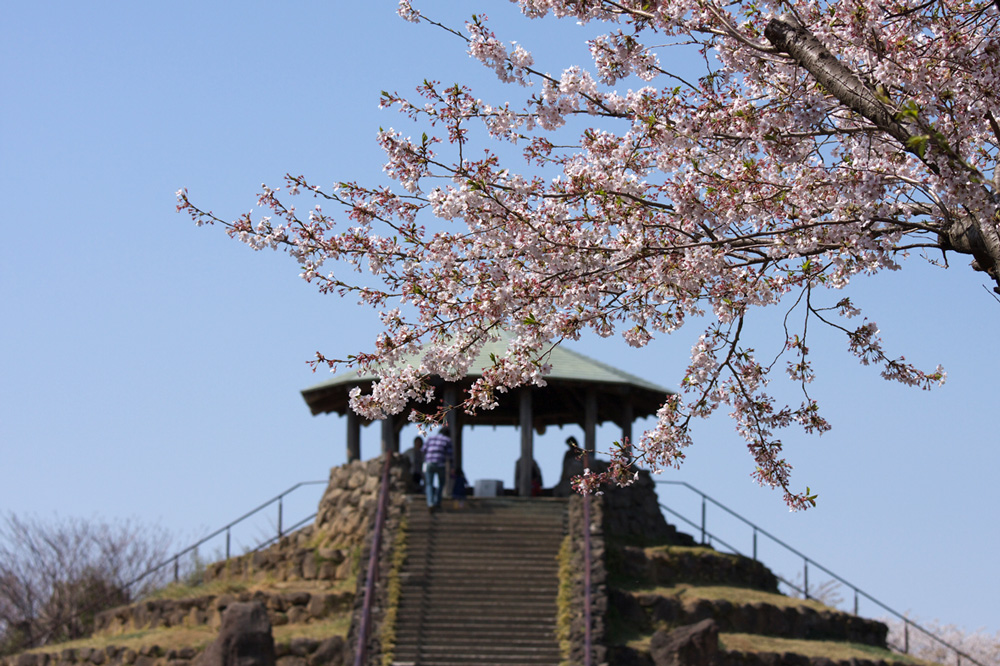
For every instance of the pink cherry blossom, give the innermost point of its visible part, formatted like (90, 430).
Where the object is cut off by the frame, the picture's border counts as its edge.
(823, 140)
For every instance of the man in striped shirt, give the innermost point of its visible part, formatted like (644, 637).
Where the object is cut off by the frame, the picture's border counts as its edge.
(437, 465)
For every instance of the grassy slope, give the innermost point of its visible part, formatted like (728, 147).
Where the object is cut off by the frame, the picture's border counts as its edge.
(621, 634)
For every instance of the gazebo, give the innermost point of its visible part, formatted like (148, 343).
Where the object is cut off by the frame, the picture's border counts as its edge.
(580, 391)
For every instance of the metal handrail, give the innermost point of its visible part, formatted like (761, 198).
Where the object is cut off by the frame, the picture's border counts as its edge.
(907, 623)
(176, 557)
(587, 638)
(372, 573)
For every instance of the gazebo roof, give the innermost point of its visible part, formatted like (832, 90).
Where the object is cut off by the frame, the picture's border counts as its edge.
(560, 402)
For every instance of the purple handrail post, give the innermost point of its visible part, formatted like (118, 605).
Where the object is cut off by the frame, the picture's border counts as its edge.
(366, 607)
(586, 574)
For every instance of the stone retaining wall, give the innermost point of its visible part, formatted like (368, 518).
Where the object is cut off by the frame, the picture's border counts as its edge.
(696, 566)
(645, 611)
(326, 550)
(297, 652)
(400, 484)
(598, 580)
(632, 514)
(624, 656)
(283, 608)
(735, 658)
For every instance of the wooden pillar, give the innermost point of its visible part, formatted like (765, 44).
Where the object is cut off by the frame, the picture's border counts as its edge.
(454, 421)
(390, 441)
(627, 418)
(590, 421)
(527, 442)
(353, 436)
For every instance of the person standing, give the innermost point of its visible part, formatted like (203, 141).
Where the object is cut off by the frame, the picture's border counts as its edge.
(415, 454)
(437, 466)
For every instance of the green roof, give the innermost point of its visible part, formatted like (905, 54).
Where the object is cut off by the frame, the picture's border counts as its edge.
(572, 373)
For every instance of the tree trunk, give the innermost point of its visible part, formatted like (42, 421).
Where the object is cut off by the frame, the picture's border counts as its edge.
(965, 233)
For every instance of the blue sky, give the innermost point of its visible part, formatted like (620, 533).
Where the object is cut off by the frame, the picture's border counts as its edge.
(153, 369)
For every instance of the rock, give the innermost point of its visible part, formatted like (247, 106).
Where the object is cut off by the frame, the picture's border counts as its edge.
(296, 598)
(692, 645)
(302, 646)
(244, 638)
(319, 605)
(310, 570)
(297, 615)
(329, 653)
(291, 660)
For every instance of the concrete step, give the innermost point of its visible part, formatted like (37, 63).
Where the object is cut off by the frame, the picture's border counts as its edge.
(479, 584)
(457, 549)
(484, 632)
(503, 652)
(468, 612)
(480, 660)
(477, 626)
(478, 589)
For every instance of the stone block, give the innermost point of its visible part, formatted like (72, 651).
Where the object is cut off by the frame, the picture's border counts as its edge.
(319, 605)
(297, 615)
(327, 571)
(310, 569)
(329, 653)
(692, 645)
(244, 638)
(296, 598)
(302, 646)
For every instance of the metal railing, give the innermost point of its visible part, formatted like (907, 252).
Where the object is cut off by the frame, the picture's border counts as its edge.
(175, 559)
(364, 627)
(806, 561)
(587, 635)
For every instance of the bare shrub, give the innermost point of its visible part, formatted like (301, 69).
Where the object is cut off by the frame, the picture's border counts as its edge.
(56, 576)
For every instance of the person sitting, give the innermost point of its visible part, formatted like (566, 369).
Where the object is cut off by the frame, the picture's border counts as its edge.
(459, 487)
(572, 467)
(415, 454)
(536, 478)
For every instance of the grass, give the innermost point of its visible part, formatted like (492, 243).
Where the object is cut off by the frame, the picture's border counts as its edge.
(691, 594)
(236, 586)
(746, 595)
(185, 591)
(694, 550)
(166, 639)
(564, 599)
(332, 626)
(200, 636)
(834, 650)
(393, 592)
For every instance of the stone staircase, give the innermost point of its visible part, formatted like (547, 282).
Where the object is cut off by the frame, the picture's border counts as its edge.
(479, 583)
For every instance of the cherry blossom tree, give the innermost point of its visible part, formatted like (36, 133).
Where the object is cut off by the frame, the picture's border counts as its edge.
(956, 644)
(823, 140)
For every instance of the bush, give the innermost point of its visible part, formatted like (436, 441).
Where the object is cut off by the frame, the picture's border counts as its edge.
(55, 577)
